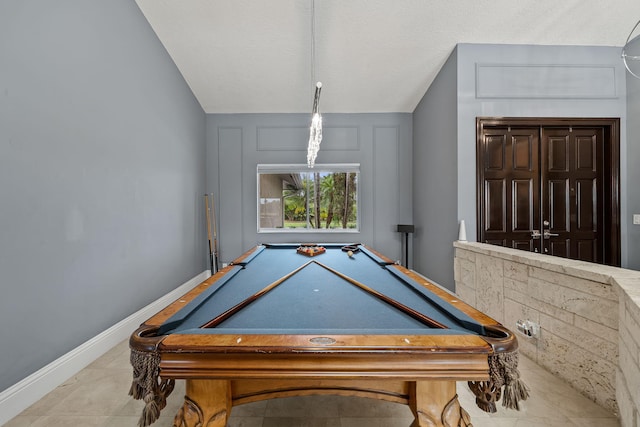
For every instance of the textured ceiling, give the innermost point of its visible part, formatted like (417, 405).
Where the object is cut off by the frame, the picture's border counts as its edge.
(254, 56)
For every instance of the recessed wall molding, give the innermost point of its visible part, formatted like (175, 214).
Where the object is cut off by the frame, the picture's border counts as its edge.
(386, 156)
(295, 138)
(545, 81)
(230, 145)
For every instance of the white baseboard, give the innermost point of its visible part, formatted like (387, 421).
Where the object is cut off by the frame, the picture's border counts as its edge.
(25, 393)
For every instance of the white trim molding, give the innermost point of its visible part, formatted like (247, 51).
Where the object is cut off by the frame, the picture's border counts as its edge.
(26, 392)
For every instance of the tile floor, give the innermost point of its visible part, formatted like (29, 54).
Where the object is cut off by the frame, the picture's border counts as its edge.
(97, 396)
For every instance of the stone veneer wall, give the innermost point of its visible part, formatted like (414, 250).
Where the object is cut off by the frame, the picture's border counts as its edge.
(589, 316)
(628, 374)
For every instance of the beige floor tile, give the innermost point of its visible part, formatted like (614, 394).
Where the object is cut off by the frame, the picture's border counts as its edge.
(97, 396)
(541, 422)
(496, 422)
(301, 422)
(245, 422)
(254, 409)
(303, 407)
(100, 398)
(43, 406)
(76, 420)
(595, 422)
(117, 357)
(124, 421)
(376, 422)
(358, 407)
(22, 421)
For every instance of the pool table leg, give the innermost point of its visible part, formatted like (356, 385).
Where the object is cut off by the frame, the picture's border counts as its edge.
(206, 403)
(435, 404)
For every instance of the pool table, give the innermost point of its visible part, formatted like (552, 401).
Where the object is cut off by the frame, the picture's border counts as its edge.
(298, 319)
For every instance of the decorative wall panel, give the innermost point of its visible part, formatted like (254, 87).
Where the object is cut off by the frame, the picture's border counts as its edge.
(514, 81)
(287, 138)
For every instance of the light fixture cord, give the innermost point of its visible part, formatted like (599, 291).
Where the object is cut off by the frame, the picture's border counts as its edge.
(313, 43)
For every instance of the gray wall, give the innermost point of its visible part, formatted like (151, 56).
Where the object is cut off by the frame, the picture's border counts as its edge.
(517, 81)
(381, 143)
(633, 171)
(101, 175)
(435, 147)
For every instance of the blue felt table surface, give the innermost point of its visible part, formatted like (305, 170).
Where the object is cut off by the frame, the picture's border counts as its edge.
(316, 300)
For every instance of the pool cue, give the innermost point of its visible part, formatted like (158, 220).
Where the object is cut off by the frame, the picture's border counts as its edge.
(215, 234)
(242, 304)
(206, 202)
(396, 304)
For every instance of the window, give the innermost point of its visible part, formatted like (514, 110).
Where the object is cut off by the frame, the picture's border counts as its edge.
(297, 198)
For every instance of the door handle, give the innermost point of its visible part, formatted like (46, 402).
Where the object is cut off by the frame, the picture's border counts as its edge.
(535, 234)
(548, 234)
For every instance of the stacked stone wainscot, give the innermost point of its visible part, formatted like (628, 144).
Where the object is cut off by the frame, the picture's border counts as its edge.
(589, 317)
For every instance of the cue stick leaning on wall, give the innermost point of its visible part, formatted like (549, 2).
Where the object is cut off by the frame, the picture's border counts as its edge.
(215, 234)
(206, 202)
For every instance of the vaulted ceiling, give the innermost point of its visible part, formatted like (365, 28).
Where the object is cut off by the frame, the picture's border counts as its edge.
(254, 56)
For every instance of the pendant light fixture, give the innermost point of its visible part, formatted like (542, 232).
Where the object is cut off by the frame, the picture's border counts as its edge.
(315, 131)
(631, 52)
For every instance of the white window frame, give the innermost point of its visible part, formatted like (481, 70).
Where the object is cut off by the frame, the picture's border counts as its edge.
(301, 169)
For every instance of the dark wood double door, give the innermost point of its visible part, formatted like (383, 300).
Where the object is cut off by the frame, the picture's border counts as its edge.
(550, 186)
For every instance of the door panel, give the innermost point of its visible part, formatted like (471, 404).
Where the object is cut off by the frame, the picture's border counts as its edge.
(587, 250)
(522, 190)
(559, 247)
(558, 153)
(496, 201)
(510, 185)
(587, 205)
(550, 186)
(558, 204)
(572, 201)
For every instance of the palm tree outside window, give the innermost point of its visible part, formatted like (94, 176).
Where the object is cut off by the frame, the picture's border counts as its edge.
(296, 198)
